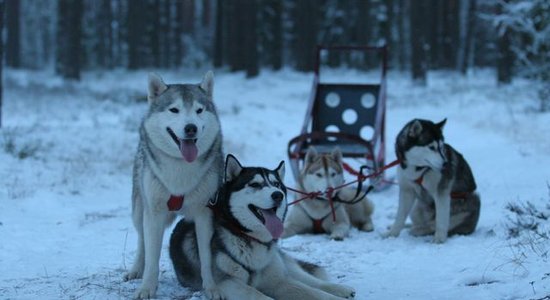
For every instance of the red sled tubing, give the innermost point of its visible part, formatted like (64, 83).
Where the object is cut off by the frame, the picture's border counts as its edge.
(361, 137)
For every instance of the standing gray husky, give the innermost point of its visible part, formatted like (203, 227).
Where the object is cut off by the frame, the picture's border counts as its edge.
(177, 170)
(436, 175)
(247, 264)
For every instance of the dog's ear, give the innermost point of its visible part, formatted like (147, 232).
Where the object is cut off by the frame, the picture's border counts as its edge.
(281, 170)
(415, 129)
(337, 155)
(311, 154)
(232, 168)
(156, 87)
(441, 124)
(207, 84)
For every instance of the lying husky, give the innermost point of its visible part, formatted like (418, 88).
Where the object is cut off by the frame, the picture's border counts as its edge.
(248, 213)
(320, 172)
(436, 175)
(177, 170)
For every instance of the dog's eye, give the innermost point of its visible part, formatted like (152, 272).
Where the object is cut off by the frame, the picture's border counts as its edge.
(431, 148)
(174, 110)
(199, 110)
(319, 175)
(332, 174)
(255, 185)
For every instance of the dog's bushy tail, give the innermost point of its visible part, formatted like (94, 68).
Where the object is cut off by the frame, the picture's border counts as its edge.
(185, 256)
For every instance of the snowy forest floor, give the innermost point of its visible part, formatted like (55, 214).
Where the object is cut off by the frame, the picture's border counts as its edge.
(66, 152)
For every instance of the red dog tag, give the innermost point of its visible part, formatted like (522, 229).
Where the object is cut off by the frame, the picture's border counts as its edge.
(175, 203)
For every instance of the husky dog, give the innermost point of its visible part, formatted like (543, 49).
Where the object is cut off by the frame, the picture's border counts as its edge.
(436, 175)
(177, 170)
(247, 264)
(320, 172)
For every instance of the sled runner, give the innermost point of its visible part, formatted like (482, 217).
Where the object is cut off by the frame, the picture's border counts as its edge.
(348, 115)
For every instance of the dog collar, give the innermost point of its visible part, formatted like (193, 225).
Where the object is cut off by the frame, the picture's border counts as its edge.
(175, 202)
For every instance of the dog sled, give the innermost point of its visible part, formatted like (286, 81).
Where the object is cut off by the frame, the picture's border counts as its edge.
(350, 116)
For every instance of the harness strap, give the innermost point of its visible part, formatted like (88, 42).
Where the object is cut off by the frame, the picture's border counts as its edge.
(318, 226)
(175, 202)
(317, 223)
(454, 195)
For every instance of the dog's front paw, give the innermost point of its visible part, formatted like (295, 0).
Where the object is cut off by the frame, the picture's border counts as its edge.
(390, 234)
(337, 236)
(132, 275)
(145, 293)
(340, 290)
(213, 293)
(439, 238)
(368, 227)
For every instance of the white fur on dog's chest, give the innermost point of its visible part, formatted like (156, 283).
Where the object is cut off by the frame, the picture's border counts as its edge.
(251, 254)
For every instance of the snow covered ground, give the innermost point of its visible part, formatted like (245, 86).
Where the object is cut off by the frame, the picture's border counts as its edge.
(66, 152)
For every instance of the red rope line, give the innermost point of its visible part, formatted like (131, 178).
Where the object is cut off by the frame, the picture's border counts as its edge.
(330, 191)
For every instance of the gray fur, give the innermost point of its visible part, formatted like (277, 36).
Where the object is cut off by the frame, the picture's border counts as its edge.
(446, 202)
(160, 171)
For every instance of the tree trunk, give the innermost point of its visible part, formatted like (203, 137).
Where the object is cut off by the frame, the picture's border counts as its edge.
(69, 32)
(418, 42)
(219, 34)
(235, 40)
(136, 28)
(465, 60)
(13, 46)
(271, 32)
(305, 30)
(2, 6)
(403, 49)
(505, 58)
(105, 32)
(250, 14)
(177, 29)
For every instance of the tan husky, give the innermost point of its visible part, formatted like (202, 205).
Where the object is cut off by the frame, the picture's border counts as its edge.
(320, 172)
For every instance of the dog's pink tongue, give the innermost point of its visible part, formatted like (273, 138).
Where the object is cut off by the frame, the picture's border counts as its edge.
(188, 150)
(273, 223)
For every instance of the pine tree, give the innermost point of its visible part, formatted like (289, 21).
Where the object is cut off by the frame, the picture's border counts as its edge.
(418, 31)
(69, 32)
(12, 8)
(2, 6)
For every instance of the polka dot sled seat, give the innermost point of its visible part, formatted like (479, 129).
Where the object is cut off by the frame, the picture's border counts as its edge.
(348, 115)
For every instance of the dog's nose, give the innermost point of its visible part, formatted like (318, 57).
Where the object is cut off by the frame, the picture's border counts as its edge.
(277, 197)
(190, 130)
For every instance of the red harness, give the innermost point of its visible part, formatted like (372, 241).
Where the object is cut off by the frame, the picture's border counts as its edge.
(318, 226)
(175, 202)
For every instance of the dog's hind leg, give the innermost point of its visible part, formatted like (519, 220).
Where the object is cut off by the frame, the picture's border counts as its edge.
(467, 222)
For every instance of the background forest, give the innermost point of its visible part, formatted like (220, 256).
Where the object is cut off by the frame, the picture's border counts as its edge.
(512, 36)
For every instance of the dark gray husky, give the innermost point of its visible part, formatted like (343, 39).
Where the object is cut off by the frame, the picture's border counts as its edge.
(249, 211)
(435, 175)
